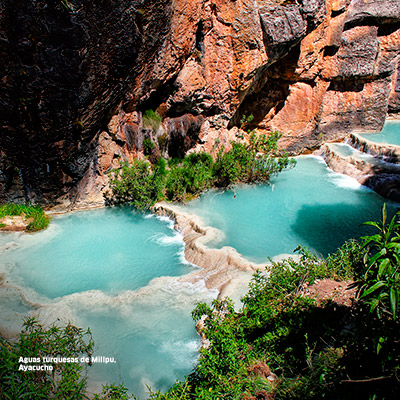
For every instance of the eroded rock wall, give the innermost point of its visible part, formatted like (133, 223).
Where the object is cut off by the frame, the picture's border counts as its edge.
(65, 66)
(78, 76)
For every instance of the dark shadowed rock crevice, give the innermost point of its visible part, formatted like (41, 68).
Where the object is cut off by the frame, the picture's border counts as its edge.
(66, 67)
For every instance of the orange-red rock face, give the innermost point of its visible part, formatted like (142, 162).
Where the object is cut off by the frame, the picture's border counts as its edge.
(312, 69)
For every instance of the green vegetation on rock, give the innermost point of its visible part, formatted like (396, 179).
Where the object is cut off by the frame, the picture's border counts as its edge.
(142, 184)
(39, 219)
(284, 344)
(138, 184)
(151, 120)
(38, 347)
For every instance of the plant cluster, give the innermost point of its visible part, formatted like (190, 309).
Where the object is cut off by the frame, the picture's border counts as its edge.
(138, 184)
(142, 184)
(37, 344)
(39, 219)
(379, 281)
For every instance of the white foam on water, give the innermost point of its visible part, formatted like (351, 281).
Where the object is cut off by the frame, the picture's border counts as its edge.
(183, 352)
(166, 219)
(320, 159)
(344, 181)
(166, 240)
(183, 260)
(13, 310)
(168, 291)
(160, 311)
(8, 246)
(6, 237)
(27, 240)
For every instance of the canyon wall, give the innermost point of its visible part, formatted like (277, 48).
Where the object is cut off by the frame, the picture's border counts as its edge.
(81, 81)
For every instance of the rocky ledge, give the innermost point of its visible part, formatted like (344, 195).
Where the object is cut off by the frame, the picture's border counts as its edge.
(79, 76)
(373, 166)
(219, 267)
(14, 224)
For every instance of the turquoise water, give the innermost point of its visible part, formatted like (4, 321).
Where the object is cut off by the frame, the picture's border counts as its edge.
(119, 272)
(116, 272)
(308, 205)
(390, 134)
(108, 249)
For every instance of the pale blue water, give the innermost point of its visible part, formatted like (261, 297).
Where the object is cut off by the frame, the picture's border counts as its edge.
(117, 271)
(106, 249)
(114, 271)
(308, 205)
(390, 134)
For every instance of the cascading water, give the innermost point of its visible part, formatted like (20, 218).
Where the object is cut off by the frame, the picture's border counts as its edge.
(116, 272)
(390, 134)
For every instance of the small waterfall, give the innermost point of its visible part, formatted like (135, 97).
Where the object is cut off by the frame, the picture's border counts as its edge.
(375, 164)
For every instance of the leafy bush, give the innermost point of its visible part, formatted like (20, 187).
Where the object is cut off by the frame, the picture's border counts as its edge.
(277, 326)
(137, 184)
(187, 178)
(65, 380)
(40, 219)
(148, 146)
(253, 162)
(379, 283)
(317, 350)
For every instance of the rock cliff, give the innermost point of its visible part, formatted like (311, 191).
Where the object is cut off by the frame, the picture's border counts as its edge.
(79, 77)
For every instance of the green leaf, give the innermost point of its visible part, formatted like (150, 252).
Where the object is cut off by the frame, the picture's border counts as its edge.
(381, 341)
(374, 304)
(394, 294)
(382, 267)
(373, 238)
(376, 256)
(372, 223)
(392, 245)
(373, 288)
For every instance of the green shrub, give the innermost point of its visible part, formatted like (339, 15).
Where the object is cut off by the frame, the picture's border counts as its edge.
(65, 380)
(40, 219)
(136, 184)
(249, 163)
(379, 283)
(148, 146)
(186, 178)
(308, 345)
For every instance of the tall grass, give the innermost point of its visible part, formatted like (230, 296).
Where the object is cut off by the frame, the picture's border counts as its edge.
(40, 219)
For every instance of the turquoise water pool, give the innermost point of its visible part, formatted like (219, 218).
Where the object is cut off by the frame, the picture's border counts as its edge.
(390, 134)
(106, 249)
(114, 271)
(308, 205)
(119, 272)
